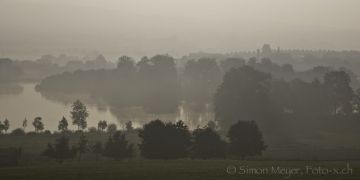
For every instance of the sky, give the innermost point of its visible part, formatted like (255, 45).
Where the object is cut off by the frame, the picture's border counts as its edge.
(30, 28)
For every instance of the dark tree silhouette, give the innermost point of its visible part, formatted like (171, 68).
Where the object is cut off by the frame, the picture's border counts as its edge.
(245, 139)
(2, 127)
(18, 132)
(61, 150)
(129, 126)
(207, 144)
(244, 94)
(24, 124)
(164, 141)
(63, 125)
(102, 125)
(200, 79)
(339, 91)
(38, 124)
(79, 114)
(111, 128)
(6, 125)
(118, 147)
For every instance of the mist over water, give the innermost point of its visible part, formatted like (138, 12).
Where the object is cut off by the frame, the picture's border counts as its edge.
(30, 104)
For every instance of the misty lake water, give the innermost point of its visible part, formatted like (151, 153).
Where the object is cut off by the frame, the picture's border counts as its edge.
(29, 104)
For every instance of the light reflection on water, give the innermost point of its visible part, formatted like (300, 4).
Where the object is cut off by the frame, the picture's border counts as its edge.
(51, 107)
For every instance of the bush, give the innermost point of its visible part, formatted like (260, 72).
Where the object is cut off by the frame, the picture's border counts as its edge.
(245, 139)
(18, 132)
(92, 130)
(165, 141)
(207, 144)
(47, 132)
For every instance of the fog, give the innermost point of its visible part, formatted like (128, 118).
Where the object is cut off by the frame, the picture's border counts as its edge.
(30, 28)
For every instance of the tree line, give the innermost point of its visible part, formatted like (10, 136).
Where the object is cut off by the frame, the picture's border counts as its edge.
(160, 140)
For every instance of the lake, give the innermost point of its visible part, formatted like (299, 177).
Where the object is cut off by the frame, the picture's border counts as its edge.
(28, 103)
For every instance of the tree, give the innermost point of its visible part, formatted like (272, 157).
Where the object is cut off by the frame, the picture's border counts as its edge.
(97, 149)
(2, 127)
(6, 125)
(24, 124)
(18, 132)
(200, 80)
(63, 125)
(61, 150)
(339, 91)
(244, 94)
(111, 128)
(38, 124)
(164, 141)
(82, 146)
(118, 147)
(129, 126)
(207, 144)
(79, 114)
(230, 63)
(245, 139)
(102, 125)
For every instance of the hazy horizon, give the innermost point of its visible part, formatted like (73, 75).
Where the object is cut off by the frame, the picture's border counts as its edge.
(34, 27)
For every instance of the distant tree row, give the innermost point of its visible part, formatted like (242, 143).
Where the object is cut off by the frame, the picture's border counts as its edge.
(168, 82)
(161, 140)
(280, 106)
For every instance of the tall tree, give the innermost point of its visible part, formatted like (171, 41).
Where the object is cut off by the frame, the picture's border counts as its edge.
(6, 125)
(245, 139)
(200, 80)
(38, 124)
(24, 124)
(102, 125)
(2, 127)
(340, 93)
(244, 94)
(129, 126)
(111, 128)
(63, 125)
(79, 114)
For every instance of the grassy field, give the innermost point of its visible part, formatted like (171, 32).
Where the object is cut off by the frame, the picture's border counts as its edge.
(287, 159)
(174, 169)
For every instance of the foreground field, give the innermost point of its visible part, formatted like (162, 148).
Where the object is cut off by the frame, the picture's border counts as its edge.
(183, 169)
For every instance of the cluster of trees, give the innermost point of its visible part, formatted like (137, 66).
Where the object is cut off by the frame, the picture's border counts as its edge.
(130, 84)
(79, 115)
(24, 70)
(277, 105)
(160, 79)
(161, 140)
(4, 126)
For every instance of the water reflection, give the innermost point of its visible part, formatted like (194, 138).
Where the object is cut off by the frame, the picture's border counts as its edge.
(192, 114)
(29, 104)
(52, 106)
